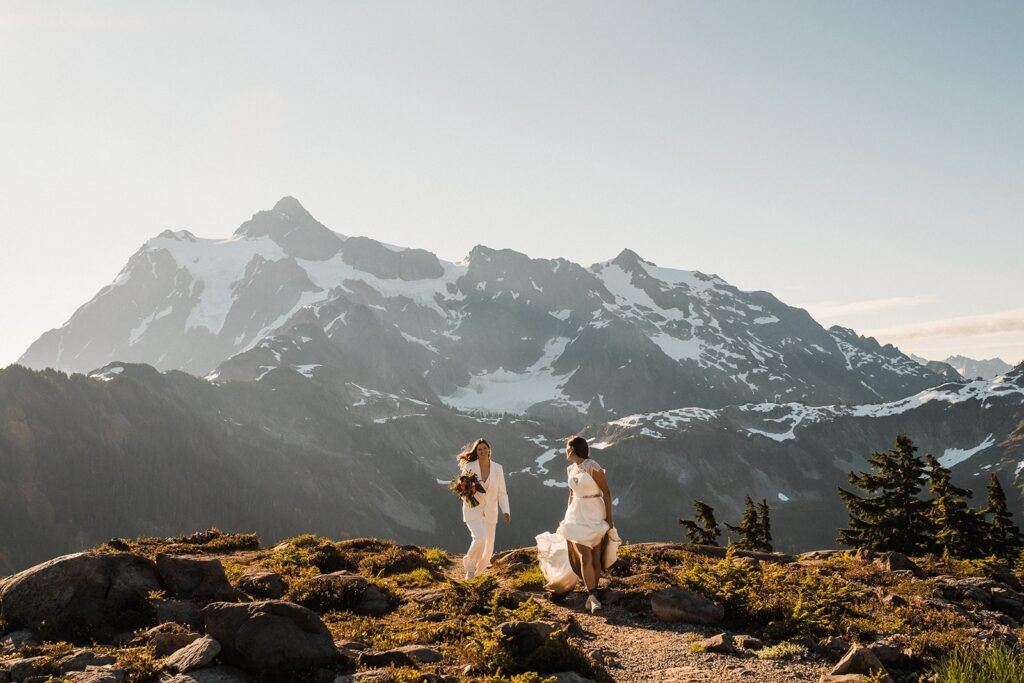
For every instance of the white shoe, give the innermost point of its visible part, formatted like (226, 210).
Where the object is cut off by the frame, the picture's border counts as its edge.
(470, 574)
(592, 604)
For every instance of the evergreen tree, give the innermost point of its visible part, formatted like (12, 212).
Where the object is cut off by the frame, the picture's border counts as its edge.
(957, 529)
(1003, 536)
(890, 516)
(765, 524)
(749, 528)
(704, 530)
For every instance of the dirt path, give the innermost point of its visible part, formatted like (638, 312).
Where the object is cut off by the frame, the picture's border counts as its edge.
(637, 648)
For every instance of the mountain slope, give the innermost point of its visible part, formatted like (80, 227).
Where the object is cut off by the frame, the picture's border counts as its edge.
(131, 451)
(497, 333)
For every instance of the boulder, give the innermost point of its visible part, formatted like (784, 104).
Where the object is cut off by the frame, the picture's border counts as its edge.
(374, 602)
(82, 660)
(181, 612)
(82, 596)
(387, 658)
(721, 643)
(15, 640)
(195, 655)
(745, 642)
(97, 674)
(216, 674)
(680, 605)
(893, 561)
(832, 647)
(421, 654)
(262, 584)
(194, 578)
(22, 668)
(894, 600)
(859, 660)
(168, 643)
(527, 636)
(271, 636)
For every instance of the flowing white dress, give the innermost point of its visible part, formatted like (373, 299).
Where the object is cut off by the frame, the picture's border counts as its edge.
(584, 523)
(584, 520)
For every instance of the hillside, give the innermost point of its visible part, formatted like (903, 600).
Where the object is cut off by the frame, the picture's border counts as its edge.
(131, 450)
(315, 609)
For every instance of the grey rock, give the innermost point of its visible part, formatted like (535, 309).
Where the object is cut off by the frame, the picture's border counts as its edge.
(262, 584)
(22, 668)
(745, 642)
(270, 636)
(194, 578)
(893, 561)
(82, 660)
(216, 674)
(858, 660)
(15, 640)
(165, 644)
(386, 658)
(97, 674)
(572, 677)
(680, 605)
(81, 596)
(834, 648)
(721, 643)
(421, 654)
(195, 655)
(181, 612)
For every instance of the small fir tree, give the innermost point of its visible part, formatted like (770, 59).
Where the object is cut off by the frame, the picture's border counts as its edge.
(704, 530)
(749, 528)
(957, 529)
(765, 524)
(890, 516)
(1003, 536)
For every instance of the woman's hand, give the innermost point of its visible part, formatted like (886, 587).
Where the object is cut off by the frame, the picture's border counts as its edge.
(508, 518)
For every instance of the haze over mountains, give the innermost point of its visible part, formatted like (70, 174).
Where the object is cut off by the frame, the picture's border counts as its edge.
(333, 379)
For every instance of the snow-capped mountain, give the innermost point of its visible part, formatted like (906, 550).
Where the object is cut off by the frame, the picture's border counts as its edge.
(497, 333)
(984, 369)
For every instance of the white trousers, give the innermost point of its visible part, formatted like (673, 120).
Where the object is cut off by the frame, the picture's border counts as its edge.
(478, 557)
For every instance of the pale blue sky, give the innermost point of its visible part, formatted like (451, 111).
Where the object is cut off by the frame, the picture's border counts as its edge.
(865, 160)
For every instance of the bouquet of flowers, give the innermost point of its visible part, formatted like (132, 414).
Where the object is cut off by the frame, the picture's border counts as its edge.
(466, 486)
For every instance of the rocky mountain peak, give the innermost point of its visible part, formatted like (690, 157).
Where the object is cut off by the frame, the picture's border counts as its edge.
(294, 229)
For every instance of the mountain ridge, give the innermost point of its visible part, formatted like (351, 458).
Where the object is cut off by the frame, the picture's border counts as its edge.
(498, 331)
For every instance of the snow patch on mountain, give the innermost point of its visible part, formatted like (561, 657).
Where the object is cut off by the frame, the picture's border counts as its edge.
(955, 456)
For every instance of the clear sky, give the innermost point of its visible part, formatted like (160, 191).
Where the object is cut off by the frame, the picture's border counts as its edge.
(864, 160)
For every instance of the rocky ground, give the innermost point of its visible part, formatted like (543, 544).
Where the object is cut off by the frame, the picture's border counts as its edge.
(218, 608)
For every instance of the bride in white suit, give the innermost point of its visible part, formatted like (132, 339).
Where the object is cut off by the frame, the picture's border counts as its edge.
(482, 520)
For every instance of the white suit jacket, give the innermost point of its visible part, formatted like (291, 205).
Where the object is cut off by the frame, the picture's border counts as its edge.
(495, 497)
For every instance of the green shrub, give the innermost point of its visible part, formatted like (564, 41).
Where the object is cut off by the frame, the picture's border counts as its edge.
(138, 663)
(322, 595)
(785, 601)
(436, 557)
(532, 580)
(984, 664)
(787, 651)
(393, 560)
(417, 578)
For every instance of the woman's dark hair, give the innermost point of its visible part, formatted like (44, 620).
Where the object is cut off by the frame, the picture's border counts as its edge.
(468, 453)
(579, 446)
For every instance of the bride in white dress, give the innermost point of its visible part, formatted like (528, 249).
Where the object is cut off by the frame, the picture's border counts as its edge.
(588, 518)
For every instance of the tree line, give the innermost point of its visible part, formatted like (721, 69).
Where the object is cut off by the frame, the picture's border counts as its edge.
(889, 511)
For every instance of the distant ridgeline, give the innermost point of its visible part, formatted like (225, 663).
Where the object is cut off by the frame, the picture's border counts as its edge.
(291, 379)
